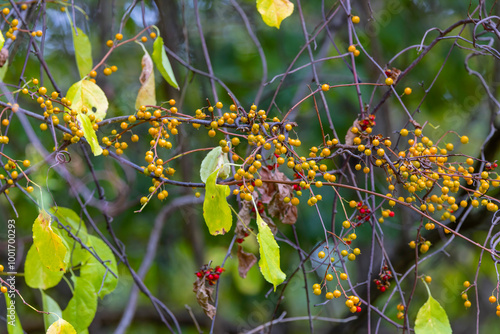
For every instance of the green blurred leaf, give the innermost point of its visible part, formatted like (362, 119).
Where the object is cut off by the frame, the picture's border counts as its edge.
(13, 326)
(49, 245)
(94, 272)
(85, 93)
(274, 11)
(37, 275)
(83, 51)
(269, 250)
(61, 326)
(147, 92)
(3, 70)
(69, 218)
(82, 307)
(216, 210)
(214, 160)
(2, 40)
(162, 63)
(50, 305)
(89, 133)
(432, 318)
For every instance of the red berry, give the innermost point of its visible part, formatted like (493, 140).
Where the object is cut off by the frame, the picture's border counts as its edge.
(211, 277)
(382, 289)
(199, 274)
(358, 309)
(391, 214)
(239, 240)
(216, 276)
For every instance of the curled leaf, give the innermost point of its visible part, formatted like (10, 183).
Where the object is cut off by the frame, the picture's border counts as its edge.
(204, 297)
(273, 194)
(214, 160)
(147, 92)
(4, 56)
(245, 262)
(349, 137)
(274, 11)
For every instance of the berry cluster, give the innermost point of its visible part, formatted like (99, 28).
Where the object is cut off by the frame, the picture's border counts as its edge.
(211, 275)
(383, 283)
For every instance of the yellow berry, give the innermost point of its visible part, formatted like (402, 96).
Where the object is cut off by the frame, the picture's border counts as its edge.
(389, 81)
(325, 87)
(119, 36)
(355, 19)
(407, 90)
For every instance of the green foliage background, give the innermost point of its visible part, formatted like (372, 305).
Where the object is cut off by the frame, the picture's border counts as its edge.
(456, 102)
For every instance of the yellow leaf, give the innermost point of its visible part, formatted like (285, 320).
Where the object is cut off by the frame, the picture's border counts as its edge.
(61, 326)
(49, 245)
(274, 11)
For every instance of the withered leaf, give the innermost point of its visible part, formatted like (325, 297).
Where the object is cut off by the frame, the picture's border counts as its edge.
(4, 55)
(349, 137)
(204, 297)
(273, 195)
(245, 261)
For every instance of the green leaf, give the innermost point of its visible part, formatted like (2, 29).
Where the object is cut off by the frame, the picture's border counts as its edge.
(37, 275)
(82, 307)
(216, 211)
(85, 93)
(2, 40)
(269, 250)
(214, 160)
(147, 92)
(432, 318)
(94, 272)
(89, 133)
(50, 305)
(3, 70)
(274, 11)
(49, 245)
(13, 323)
(162, 63)
(70, 219)
(83, 52)
(61, 326)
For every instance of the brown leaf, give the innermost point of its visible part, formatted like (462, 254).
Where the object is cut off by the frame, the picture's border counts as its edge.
(349, 137)
(245, 261)
(147, 92)
(416, 124)
(147, 68)
(204, 297)
(241, 225)
(4, 55)
(269, 222)
(273, 194)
